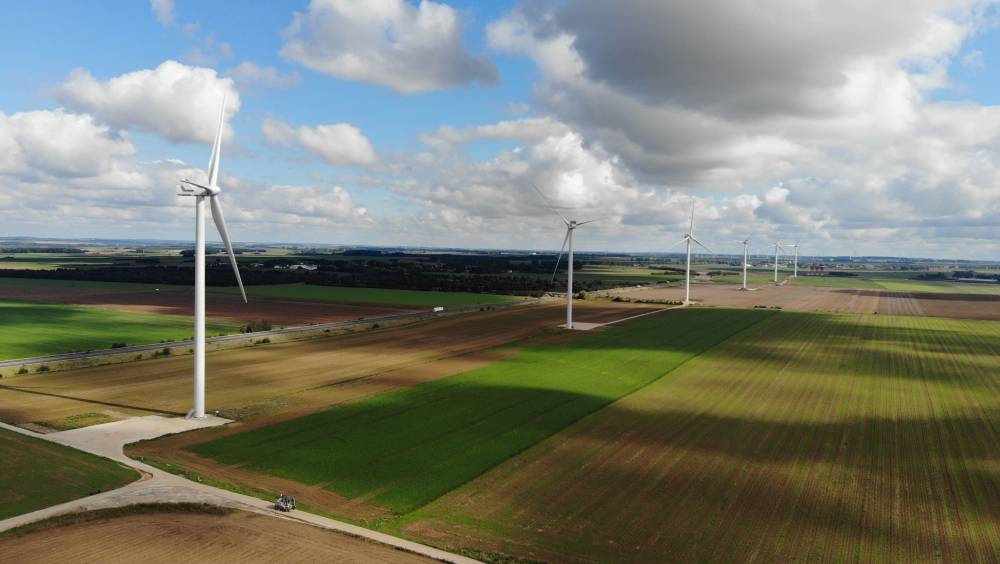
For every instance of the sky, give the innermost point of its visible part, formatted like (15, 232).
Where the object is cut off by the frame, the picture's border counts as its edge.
(853, 127)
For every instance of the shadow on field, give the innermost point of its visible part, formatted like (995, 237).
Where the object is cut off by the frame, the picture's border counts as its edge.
(935, 349)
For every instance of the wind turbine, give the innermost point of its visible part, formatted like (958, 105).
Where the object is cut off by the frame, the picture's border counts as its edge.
(795, 271)
(571, 226)
(777, 249)
(688, 239)
(200, 194)
(746, 260)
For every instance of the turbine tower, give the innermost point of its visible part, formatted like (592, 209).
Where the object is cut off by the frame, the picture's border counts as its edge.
(777, 249)
(746, 260)
(200, 194)
(795, 271)
(688, 239)
(571, 226)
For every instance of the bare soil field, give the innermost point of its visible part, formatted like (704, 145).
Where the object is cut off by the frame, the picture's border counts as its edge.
(176, 301)
(166, 537)
(836, 300)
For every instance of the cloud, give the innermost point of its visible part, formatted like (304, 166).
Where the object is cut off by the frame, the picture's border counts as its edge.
(176, 101)
(308, 205)
(57, 143)
(249, 75)
(824, 116)
(522, 130)
(211, 52)
(164, 10)
(388, 42)
(339, 143)
(974, 59)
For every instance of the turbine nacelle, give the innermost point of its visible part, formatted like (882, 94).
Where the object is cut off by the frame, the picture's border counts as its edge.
(191, 188)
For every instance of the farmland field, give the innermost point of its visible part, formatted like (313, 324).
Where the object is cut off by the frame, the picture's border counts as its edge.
(30, 329)
(403, 449)
(409, 298)
(152, 535)
(262, 379)
(815, 437)
(38, 474)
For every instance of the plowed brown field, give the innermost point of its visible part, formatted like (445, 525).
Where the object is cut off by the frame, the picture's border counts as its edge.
(173, 537)
(842, 300)
(179, 301)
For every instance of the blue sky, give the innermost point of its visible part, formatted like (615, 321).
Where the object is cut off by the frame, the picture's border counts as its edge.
(832, 135)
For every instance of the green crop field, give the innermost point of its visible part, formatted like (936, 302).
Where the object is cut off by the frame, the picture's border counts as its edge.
(38, 474)
(403, 449)
(409, 298)
(805, 437)
(852, 282)
(880, 281)
(29, 329)
(624, 274)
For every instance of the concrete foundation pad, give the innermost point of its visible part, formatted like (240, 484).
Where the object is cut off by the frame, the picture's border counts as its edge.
(581, 326)
(107, 439)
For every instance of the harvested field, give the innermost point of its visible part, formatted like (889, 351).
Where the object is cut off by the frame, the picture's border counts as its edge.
(227, 306)
(166, 537)
(837, 300)
(807, 437)
(279, 377)
(402, 449)
(174, 300)
(420, 299)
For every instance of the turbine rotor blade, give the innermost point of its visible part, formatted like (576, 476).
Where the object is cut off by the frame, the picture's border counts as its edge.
(213, 163)
(700, 244)
(559, 258)
(220, 224)
(548, 204)
(678, 243)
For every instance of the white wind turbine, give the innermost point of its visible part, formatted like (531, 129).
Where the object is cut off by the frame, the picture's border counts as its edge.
(571, 226)
(777, 249)
(688, 239)
(746, 261)
(200, 194)
(795, 271)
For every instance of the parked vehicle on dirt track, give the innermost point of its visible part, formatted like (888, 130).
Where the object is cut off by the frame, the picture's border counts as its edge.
(284, 503)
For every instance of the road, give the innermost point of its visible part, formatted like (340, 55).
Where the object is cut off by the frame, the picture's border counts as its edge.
(415, 316)
(157, 486)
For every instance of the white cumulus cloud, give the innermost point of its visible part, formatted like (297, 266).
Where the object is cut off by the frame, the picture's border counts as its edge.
(249, 75)
(338, 143)
(389, 42)
(176, 101)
